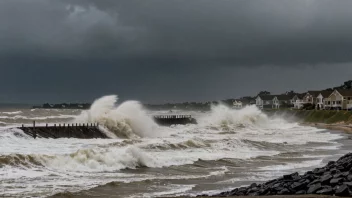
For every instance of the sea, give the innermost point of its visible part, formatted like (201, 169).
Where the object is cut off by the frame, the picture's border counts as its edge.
(228, 148)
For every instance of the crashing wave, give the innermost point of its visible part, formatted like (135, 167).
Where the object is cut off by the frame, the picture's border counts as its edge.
(128, 120)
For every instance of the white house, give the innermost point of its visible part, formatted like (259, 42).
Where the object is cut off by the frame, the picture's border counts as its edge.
(339, 99)
(237, 104)
(281, 100)
(298, 101)
(321, 99)
(311, 97)
(264, 101)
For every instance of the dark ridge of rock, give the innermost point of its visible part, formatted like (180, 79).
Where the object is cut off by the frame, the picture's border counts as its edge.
(333, 179)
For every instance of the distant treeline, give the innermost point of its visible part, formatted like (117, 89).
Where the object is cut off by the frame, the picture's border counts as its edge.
(64, 106)
(201, 106)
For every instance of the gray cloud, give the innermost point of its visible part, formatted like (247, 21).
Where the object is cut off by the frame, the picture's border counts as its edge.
(143, 49)
(196, 33)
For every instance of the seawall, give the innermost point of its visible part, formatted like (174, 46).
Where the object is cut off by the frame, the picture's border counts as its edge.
(82, 131)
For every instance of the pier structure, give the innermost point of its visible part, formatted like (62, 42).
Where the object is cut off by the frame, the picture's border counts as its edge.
(92, 130)
(70, 130)
(168, 120)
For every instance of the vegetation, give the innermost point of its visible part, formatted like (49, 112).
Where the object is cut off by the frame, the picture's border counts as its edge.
(319, 116)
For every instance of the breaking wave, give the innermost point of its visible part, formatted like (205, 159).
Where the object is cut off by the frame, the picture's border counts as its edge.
(12, 112)
(127, 120)
(84, 160)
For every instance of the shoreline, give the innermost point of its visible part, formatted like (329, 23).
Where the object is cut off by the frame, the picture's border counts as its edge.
(339, 127)
(347, 128)
(333, 179)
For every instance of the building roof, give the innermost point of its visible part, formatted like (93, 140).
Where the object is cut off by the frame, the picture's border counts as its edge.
(283, 97)
(326, 93)
(267, 97)
(299, 96)
(345, 92)
(314, 93)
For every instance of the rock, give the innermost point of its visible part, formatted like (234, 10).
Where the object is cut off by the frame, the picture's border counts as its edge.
(284, 191)
(314, 182)
(253, 185)
(313, 189)
(301, 192)
(298, 186)
(333, 171)
(341, 168)
(349, 184)
(349, 177)
(263, 191)
(342, 191)
(345, 174)
(319, 171)
(326, 179)
(327, 190)
(336, 181)
(337, 175)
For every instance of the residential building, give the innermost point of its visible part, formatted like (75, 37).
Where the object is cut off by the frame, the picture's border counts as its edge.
(237, 104)
(322, 99)
(264, 101)
(297, 101)
(339, 99)
(311, 97)
(280, 100)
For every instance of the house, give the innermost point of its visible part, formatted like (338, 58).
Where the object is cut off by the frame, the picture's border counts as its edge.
(264, 101)
(310, 97)
(297, 101)
(237, 104)
(280, 100)
(339, 99)
(322, 99)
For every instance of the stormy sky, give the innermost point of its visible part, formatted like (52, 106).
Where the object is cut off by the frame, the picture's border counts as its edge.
(160, 51)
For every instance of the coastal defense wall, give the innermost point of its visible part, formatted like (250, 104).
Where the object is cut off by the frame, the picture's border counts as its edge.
(87, 131)
(168, 120)
(316, 116)
(90, 130)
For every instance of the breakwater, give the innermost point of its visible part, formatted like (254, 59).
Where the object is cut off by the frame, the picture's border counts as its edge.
(92, 130)
(168, 120)
(81, 131)
(333, 179)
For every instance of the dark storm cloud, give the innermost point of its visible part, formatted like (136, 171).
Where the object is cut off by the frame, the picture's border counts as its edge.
(199, 32)
(170, 50)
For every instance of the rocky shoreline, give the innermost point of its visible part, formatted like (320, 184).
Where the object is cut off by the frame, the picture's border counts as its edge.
(333, 179)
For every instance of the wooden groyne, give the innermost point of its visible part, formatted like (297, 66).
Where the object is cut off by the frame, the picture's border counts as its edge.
(168, 120)
(81, 131)
(91, 130)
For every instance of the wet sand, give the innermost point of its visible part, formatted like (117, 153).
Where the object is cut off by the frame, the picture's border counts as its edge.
(286, 196)
(347, 128)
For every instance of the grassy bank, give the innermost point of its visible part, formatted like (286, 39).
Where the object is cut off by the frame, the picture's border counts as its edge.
(323, 116)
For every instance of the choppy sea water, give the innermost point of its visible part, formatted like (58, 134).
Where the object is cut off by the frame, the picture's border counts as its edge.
(226, 149)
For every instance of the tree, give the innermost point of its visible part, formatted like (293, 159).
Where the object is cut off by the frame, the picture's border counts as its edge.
(263, 93)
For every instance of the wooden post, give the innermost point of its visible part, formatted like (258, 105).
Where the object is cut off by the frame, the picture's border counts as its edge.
(22, 125)
(76, 124)
(46, 125)
(33, 124)
(64, 124)
(59, 125)
(54, 125)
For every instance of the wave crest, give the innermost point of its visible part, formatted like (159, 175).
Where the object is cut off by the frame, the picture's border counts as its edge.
(128, 120)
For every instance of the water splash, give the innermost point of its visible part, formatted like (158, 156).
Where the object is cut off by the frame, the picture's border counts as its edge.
(128, 120)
